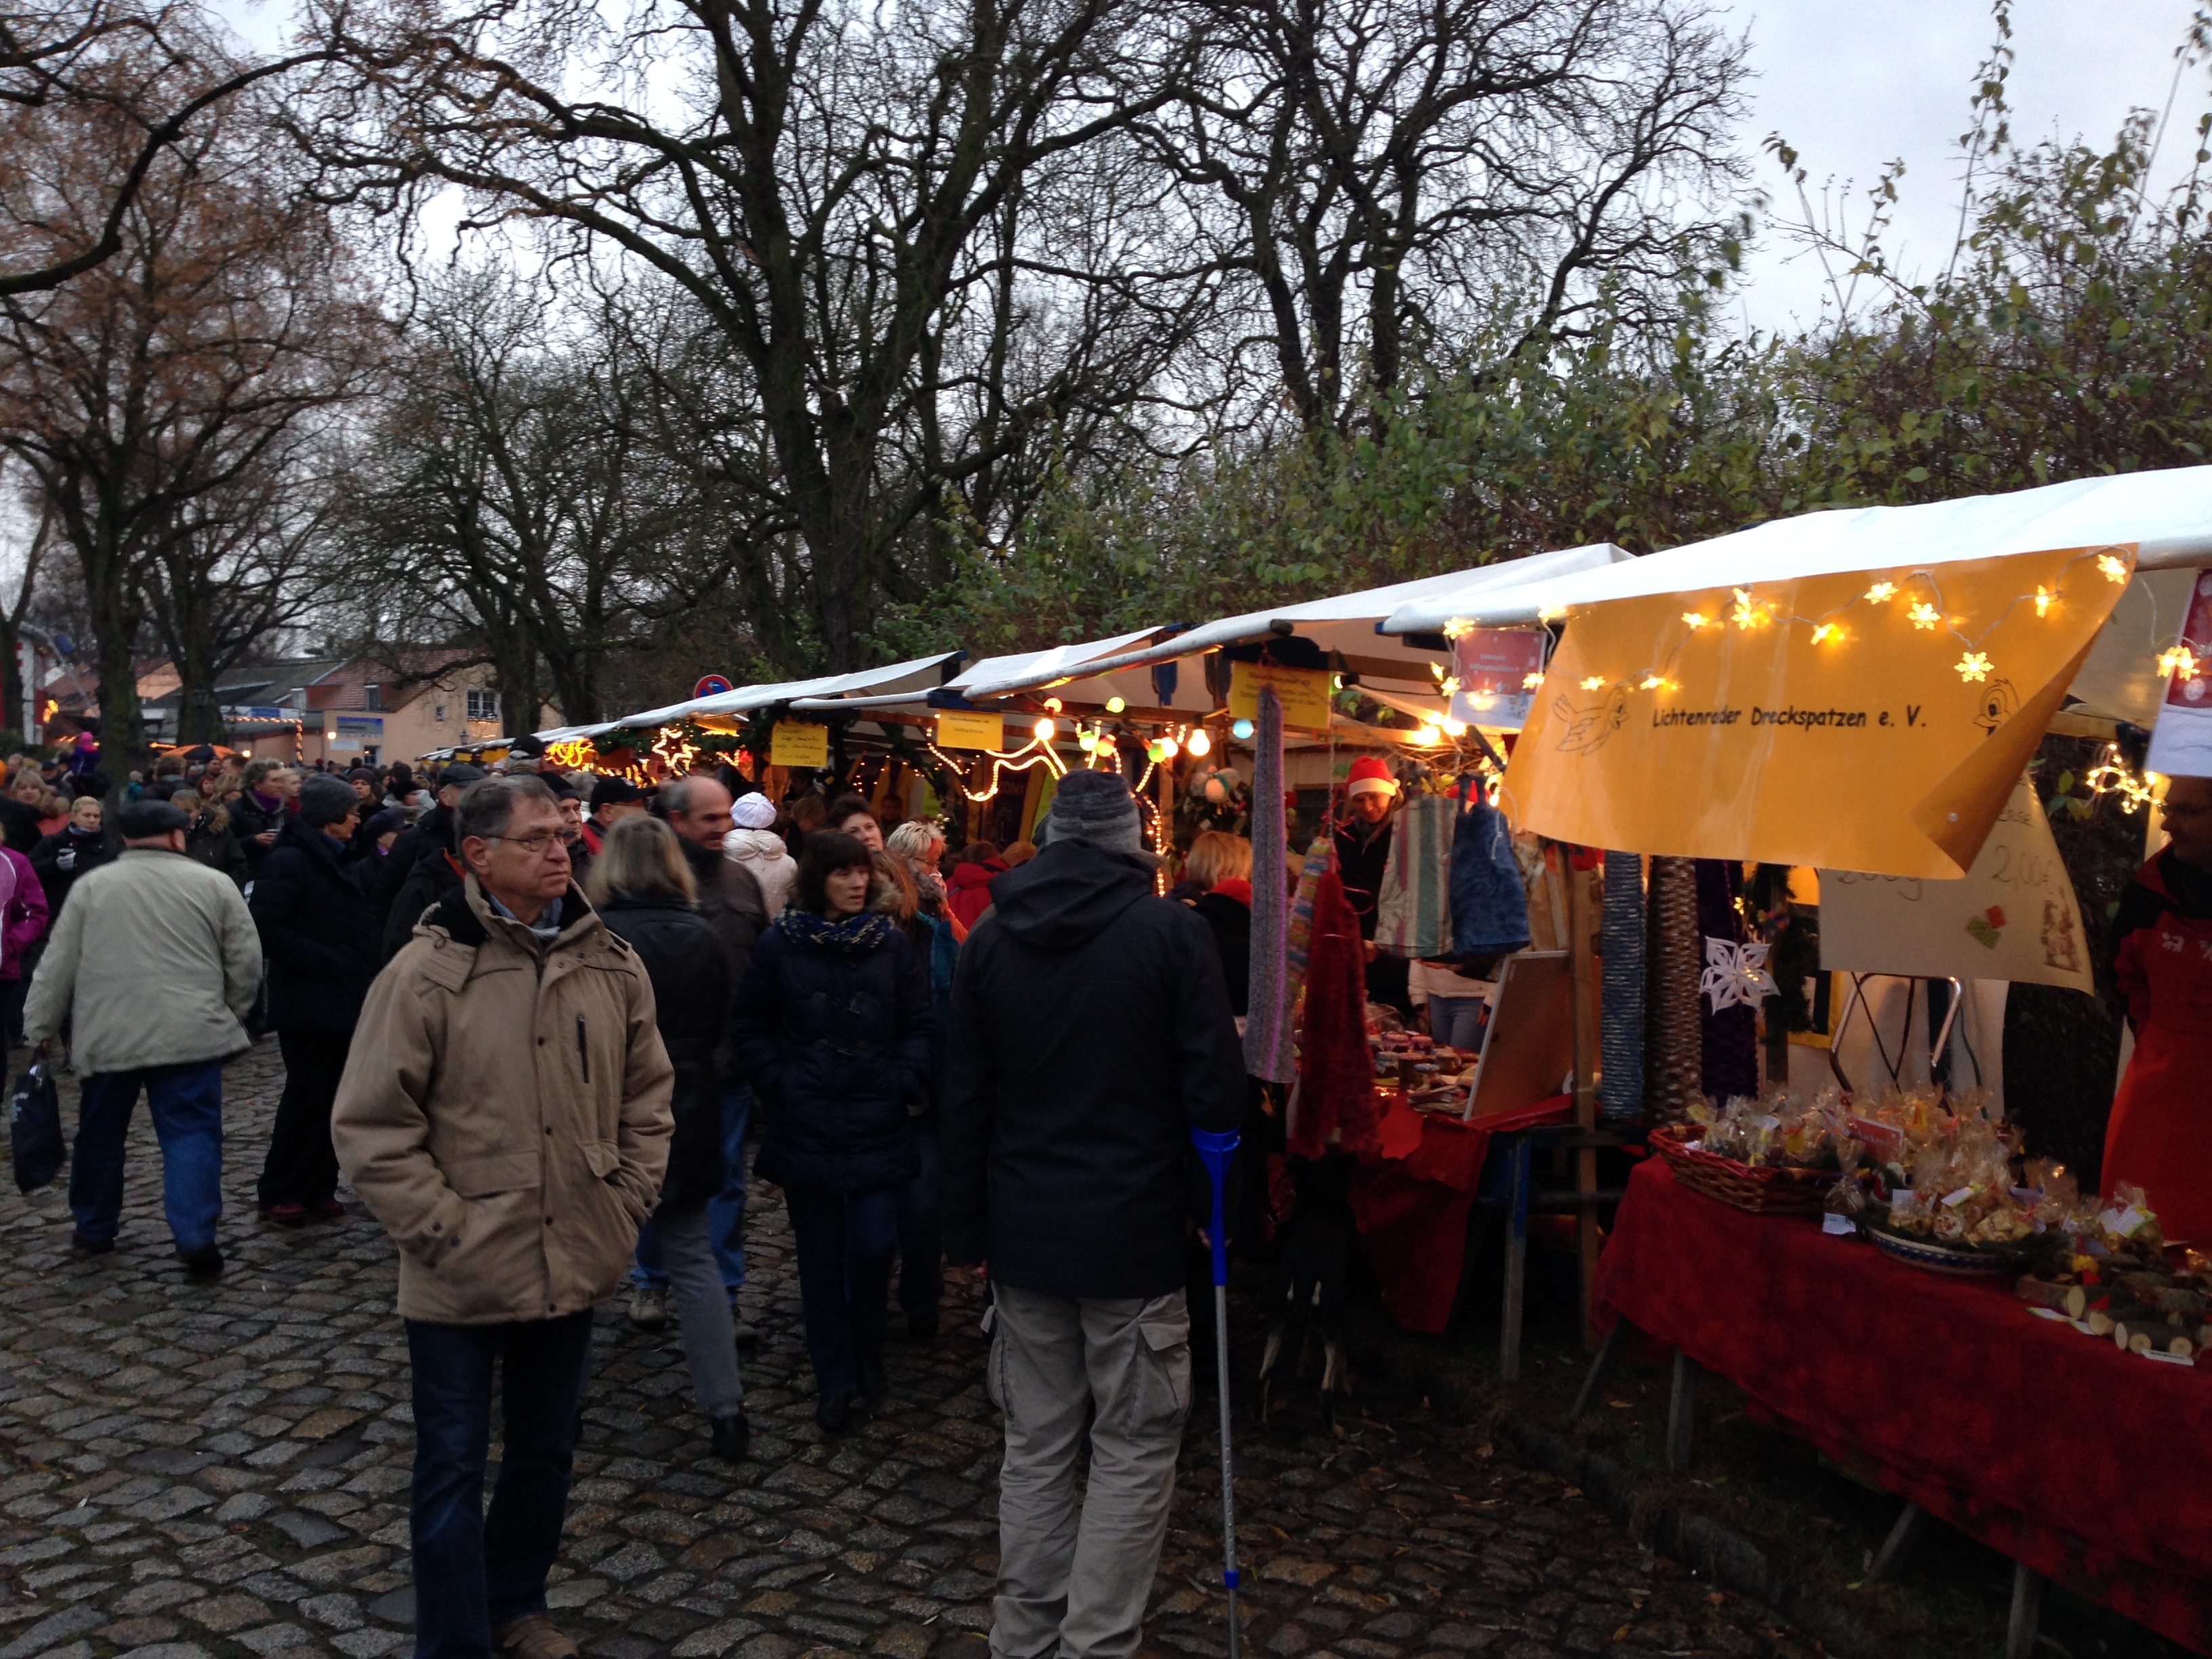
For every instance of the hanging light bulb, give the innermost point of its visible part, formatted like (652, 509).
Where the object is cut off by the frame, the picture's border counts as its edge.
(1170, 748)
(1087, 741)
(1054, 704)
(1454, 728)
(1241, 729)
(1427, 736)
(1115, 705)
(1157, 750)
(1199, 745)
(1045, 730)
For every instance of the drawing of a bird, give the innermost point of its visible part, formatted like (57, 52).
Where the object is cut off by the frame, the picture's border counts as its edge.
(1586, 728)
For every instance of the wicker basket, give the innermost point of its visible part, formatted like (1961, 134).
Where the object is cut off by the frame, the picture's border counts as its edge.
(1761, 1191)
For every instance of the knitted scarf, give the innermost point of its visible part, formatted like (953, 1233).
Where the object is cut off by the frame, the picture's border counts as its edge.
(1268, 1052)
(1620, 1084)
(854, 935)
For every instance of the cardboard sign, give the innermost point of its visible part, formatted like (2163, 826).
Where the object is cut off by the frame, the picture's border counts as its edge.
(2014, 917)
(1492, 666)
(1866, 720)
(2181, 742)
(800, 743)
(1303, 693)
(965, 728)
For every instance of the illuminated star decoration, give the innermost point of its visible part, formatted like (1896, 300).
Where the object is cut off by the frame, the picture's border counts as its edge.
(1747, 612)
(1882, 590)
(1736, 975)
(1825, 631)
(2115, 569)
(1593, 682)
(1531, 682)
(2045, 598)
(1695, 619)
(2180, 660)
(1924, 615)
(1974, 665)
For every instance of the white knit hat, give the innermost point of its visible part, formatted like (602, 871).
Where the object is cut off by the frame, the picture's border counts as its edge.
(753, 811)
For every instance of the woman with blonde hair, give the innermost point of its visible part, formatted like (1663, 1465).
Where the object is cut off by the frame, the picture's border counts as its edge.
(1220, 865)
(645, 892)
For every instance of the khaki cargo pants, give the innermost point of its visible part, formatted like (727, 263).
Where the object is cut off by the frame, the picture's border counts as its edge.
(1073, 1577)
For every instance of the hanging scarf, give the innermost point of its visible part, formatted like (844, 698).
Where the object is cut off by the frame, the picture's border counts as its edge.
(1268, 1051)
(853, 936)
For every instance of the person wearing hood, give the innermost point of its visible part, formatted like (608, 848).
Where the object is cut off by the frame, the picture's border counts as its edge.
(1090, 1033)
(968, 889)
(832, 1027)
(23, 918)
(71, 853)
(319, 938)
(755, 844)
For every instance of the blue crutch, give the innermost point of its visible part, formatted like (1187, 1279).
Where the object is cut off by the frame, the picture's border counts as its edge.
(1216, 1148)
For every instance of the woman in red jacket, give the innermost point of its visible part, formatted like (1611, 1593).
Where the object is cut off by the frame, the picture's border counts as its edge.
(968, 889)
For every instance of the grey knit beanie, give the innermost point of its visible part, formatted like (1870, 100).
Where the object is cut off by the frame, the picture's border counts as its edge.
(1096, 807)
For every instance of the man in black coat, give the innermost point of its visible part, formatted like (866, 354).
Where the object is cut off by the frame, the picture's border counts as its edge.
(423, 841)
(319, 937)
(1091, 1032)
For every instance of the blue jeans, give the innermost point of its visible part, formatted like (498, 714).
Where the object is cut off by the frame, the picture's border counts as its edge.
(921, 1230)
(475, 1573)
(185, 1102)
(725, 1211)
(845, 1241)
(1458, 1021)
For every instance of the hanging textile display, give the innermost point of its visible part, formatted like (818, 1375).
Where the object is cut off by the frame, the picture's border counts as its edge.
(1269, 1052)
(1319, 858)
(1620, 1087)
(1335, 1096)
(1489, 905)
(1732, 980)
(1674, 1051)
(1413, 907)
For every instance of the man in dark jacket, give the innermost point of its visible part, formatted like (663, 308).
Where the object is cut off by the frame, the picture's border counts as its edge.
(697, 809)
(319, 938)
(423, 841)
(1090, 1032)
(260, 810)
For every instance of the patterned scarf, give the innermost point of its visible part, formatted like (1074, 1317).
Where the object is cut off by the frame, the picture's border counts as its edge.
(853, 936)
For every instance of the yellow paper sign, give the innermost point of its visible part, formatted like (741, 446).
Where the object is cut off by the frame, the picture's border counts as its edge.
(800, 743)
(1875, 720)
(1303, 693)
(965, 728)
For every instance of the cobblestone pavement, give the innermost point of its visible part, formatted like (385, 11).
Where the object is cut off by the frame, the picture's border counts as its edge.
(188, 1472)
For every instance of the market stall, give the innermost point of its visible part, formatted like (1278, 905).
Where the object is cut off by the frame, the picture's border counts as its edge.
(1857, 696)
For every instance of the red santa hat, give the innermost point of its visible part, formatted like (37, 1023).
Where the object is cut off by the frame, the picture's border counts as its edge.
(1370, 773)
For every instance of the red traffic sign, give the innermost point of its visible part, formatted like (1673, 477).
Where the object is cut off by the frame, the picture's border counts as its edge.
(712, 685)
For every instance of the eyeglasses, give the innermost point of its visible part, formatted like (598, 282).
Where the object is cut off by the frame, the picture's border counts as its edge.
(534, 845)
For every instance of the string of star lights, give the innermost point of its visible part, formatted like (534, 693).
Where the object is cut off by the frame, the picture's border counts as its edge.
(575, 756)
(1038, 751)
(1922, 595)
(2111, 776)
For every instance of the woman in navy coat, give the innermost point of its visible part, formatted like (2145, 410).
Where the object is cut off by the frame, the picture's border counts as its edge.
(832, 1029)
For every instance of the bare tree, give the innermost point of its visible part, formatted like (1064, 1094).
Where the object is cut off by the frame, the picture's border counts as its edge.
(181, 368)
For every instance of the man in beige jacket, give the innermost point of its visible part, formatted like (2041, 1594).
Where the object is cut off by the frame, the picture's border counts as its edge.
(153, 962)
(505, 1114)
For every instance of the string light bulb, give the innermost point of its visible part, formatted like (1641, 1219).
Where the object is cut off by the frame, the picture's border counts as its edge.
(1454, 728)
(1054, 704)
(2114, 567)
(1974, 666)
(1882, 592)
(1241, 729)
(1169, 748)
(2045, 598)
(1924, 615)
(1155, 750)
(1531, 682)
(1696, 619)
(1823, 632)
(1747, 612)
(1655, 683)
(1046, 729)
(1427, 736)
(2180, 660)
(1087, 741)
(1593, 682)
(1115, 705)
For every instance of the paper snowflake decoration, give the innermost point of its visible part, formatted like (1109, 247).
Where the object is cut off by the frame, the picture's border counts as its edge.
(1736, 975)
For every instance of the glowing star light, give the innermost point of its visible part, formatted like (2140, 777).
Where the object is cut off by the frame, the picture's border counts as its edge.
(2115, 568)
(1655, 683)
(1747, 612)
(1924, 615)
(2045, 598)
(2179, 660)
(1531, 682)
(1974, 665)
(1882, 593)
(1695, 619)
(1823, 632)
(1593, 682)
(1735, 975)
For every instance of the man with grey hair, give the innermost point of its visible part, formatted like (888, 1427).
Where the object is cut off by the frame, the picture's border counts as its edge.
(697, 808)
(505, 1113)
(1090, 1032)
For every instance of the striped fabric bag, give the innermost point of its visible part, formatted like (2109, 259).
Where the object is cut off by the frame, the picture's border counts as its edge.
(1412, 909)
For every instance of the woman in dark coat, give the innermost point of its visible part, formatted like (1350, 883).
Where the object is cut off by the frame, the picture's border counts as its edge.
(832, 1029)
(646, 893)
(209, 840)
(63, 856)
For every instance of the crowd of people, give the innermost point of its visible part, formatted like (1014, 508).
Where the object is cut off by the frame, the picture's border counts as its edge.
(535, 1021)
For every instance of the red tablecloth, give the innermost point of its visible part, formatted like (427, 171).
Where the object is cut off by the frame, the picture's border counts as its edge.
(2093, 1466)
(1411, 1205)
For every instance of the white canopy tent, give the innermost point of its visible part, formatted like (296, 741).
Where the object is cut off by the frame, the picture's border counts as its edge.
(888, 684)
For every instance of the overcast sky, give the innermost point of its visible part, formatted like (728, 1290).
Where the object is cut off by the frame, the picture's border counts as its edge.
(1856, 83)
